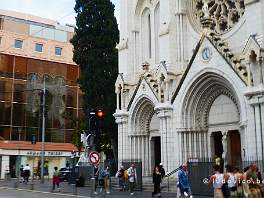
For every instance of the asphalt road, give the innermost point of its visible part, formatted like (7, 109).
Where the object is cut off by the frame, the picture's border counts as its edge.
(16, 193)
(7, 193)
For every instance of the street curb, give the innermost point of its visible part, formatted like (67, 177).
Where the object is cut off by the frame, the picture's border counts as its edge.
(42, 192)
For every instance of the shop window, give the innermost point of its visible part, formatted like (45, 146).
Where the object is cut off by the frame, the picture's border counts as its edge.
(58, 51)
(18, 44)
(39, 47)
(5, 113)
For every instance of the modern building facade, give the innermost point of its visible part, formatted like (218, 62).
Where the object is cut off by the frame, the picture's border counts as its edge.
(35, 53)
(191, 81)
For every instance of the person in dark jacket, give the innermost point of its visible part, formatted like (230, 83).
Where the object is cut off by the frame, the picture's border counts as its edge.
(156, 181)
(162, 170)
(21, 169)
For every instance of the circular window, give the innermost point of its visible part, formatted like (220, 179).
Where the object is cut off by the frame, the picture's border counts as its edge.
(223, 13)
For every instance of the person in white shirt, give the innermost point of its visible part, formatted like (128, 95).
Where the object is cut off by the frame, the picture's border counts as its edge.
(132, 178)
(26, 171)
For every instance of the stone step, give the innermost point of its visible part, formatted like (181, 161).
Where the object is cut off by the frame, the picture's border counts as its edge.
(148, 185)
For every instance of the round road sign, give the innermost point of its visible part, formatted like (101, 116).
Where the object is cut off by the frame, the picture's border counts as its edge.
(94, 157)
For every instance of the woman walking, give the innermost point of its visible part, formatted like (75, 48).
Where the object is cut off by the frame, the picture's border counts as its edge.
(156, 181)
(217, 181)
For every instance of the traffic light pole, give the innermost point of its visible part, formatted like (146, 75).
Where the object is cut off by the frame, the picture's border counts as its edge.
(43, 130)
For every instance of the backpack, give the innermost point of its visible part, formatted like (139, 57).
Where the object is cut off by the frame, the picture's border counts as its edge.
(126, 175)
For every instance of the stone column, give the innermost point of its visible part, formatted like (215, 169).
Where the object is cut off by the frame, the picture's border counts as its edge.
(258, 132)
(167, 98)
(148, 157)
(260, 69)
(224, 142)
(256, 101)
(4, 166)
(249, 74)
(122, 121)
(164, 113)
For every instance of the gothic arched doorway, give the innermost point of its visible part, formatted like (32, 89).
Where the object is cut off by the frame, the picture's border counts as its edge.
(145, 137)
(210, 111)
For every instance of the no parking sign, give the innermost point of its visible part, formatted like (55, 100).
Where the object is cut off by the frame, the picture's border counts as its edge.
(94, 158)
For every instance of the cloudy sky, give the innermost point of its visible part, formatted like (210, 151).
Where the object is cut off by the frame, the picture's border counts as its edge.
(59, 10)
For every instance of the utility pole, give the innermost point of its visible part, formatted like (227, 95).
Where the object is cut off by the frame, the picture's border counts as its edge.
(43, 129)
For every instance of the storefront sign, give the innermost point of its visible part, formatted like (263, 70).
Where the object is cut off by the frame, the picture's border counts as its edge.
(46, 153)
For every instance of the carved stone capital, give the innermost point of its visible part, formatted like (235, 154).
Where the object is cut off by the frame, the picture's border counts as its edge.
(164, 110)
(121, 116)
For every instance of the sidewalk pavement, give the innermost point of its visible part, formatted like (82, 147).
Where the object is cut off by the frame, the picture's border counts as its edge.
(68, 190)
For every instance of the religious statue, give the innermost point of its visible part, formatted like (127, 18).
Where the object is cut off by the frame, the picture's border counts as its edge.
(224, 142)
(205, 8)
(84, 139)
(87, 141)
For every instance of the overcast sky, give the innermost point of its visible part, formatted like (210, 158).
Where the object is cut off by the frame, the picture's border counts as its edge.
(59, 10)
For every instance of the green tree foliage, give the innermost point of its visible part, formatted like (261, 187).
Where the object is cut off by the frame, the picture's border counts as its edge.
(78, 125)
(95, 39)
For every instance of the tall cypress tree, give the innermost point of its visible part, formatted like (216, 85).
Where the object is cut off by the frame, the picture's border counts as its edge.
(95, 39)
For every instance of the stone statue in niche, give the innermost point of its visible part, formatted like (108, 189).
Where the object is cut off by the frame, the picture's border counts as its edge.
(205, 8)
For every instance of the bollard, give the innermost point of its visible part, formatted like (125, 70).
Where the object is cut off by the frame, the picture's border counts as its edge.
(92, 186)
(32, 186)
(74, 189)
(15, 183)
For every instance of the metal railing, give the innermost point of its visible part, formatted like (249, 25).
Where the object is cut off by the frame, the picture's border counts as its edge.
(170, 174)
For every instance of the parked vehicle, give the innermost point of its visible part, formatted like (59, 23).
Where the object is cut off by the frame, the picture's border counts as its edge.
(65, 174)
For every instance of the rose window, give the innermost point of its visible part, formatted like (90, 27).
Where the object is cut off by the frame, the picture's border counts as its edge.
(223, 13)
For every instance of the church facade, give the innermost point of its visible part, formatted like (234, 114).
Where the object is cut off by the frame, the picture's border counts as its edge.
(190, 83)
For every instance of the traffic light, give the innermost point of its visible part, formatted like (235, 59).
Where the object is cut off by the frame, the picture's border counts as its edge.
(95, 121)
(33, 139)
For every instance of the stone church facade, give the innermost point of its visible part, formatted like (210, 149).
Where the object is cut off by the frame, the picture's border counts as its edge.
(190, 82)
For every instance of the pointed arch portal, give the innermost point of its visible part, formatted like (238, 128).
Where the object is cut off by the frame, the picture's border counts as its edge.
(145, 137)
(210, 117)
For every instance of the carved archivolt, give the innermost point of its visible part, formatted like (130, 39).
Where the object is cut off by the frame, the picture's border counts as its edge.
(201, 95)
(224, 13)
(142, 116)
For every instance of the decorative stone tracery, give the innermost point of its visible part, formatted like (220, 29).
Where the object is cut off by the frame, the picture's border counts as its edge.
(224, 13)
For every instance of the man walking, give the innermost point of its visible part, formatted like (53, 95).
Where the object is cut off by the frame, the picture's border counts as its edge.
(132, 178)
(184, 183)
(161, 170)
(26, 171)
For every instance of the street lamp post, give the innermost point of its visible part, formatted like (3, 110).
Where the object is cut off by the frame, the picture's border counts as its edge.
(43, 130)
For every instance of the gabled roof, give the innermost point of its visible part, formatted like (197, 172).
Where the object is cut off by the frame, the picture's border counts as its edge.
(226, 54)
(252, 44)
(141, 79)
